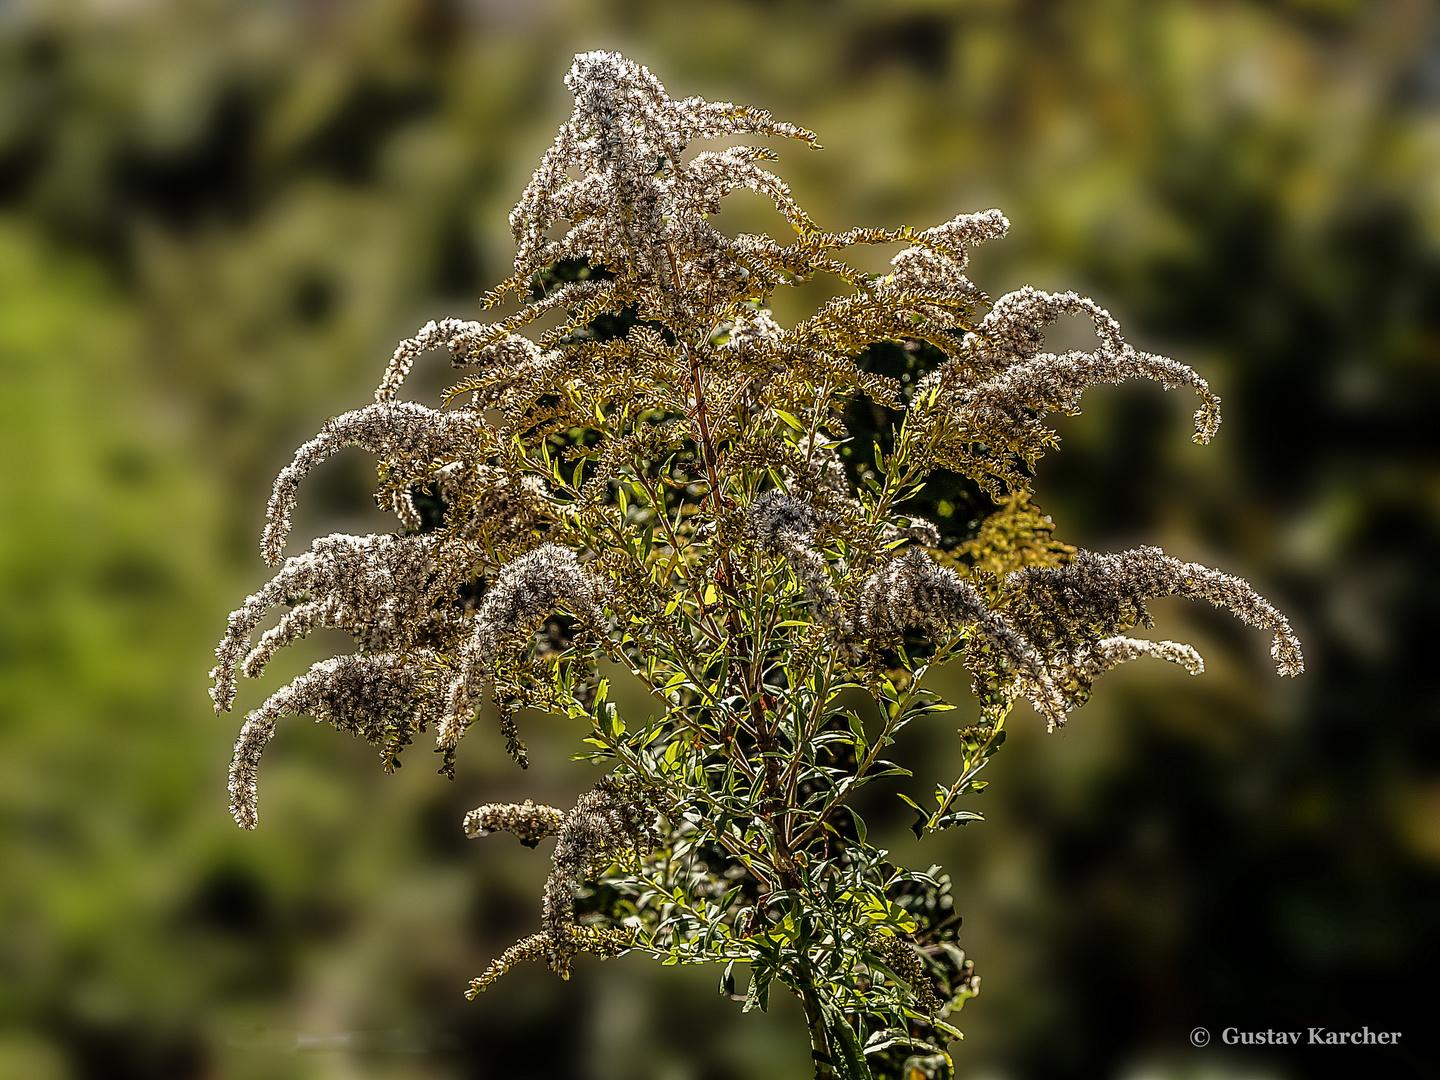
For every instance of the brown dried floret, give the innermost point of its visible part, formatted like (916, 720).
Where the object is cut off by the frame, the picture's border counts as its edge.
(526, 591)
(376, 697)
(1106, 593)
(530, 821)
(912, 591)
(605, 821)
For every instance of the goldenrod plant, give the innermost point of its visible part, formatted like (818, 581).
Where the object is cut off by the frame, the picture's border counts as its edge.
(661, 474)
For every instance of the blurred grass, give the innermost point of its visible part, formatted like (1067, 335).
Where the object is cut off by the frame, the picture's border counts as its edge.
(216, 218)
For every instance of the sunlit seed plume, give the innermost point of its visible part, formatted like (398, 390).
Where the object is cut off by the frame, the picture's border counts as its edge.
(455, 334)
(1074, 665)
(1111, 652)
(938, 269)
(964, 231)
(752, 331)
(531, 822)
(1109, 591)
(525, 593)
(776, 517)
(919, 269)
(370, 586)
(607, 820)
(603, 941)
(1012, 402)
(634, 200)
(912, 591)
(369, 696)
(1020, 383)
(780, 524)
(1014, 328)
(394, 430)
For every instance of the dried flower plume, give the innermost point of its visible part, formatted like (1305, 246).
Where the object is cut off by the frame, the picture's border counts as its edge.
(526, 591)
(912, 591)
(530, 822)
(615, 816)
(376, 697)
(1109, 592)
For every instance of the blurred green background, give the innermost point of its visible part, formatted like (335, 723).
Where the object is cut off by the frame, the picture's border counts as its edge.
(217, 218)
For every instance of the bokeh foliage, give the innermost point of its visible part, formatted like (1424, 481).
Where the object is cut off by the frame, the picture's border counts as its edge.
(216, 219)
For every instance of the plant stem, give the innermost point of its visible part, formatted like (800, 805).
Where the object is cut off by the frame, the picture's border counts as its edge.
(819, 1037)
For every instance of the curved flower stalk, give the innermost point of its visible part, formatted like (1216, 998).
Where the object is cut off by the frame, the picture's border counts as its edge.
(402, 432)
(1108, 592)
(370, 586)
(912, 591)
(454, 334)
(614, 817)
(667, 474)
(602, 941)
(525, 593)
(376, 697)
(1111, 652)
(529, 822)
(997, 388)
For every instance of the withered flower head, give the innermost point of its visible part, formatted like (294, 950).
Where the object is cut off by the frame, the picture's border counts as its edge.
(641, 462)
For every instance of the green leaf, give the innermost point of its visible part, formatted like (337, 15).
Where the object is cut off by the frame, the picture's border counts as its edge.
(921, 816)
(858, 727)
(861, 830)
(878, 909)
(846, 1053)
(957, 817)
(883, 1040)
(953, 1032)
(792, 421)
(757, 994)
